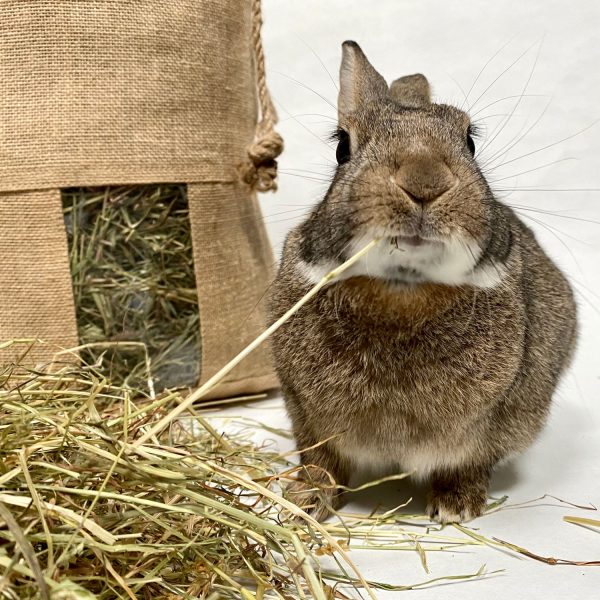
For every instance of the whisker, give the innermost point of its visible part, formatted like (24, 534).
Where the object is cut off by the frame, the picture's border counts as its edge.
(321, 62)
(502, 75)
(519, 100)
(488, 62)
(508, 98)
(518, 138)
(569, 137)
(462, 91)
(329, 118)
(532, 170)
(553, 214)
(318, 137)
(306, 87)
(550, 228)
(534, 189)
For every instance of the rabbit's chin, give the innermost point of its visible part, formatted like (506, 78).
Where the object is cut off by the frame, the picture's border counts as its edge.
(409, 260)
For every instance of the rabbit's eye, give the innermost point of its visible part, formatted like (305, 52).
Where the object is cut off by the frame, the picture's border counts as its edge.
(471, 131)
(342, 152)
(470, 144)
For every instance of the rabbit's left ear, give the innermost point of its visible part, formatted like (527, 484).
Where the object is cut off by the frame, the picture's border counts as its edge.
(412, 91)
(360, 83)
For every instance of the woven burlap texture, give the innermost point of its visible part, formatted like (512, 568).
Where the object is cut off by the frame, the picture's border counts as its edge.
(109, 93)
(36, 299)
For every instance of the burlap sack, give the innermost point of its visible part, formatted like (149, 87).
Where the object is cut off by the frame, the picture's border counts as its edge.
(100, 92)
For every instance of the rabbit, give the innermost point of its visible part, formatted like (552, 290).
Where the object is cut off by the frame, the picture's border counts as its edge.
(439, 351)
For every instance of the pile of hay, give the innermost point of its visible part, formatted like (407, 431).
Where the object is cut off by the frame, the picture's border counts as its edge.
(85, 512)
(134, 285)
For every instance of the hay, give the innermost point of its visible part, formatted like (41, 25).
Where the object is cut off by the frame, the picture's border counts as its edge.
(190, 515)
(593, 524)
(134, 285)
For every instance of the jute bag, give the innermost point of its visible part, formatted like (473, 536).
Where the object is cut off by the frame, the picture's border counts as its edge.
(101, 92)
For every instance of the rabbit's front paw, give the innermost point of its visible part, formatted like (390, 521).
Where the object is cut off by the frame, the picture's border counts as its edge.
(458, 497)
(456, 506)
(317, 502)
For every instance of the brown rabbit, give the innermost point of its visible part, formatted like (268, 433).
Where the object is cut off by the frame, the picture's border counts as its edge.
(440, 350)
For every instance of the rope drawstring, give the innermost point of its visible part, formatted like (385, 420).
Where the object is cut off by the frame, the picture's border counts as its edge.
(260, 169)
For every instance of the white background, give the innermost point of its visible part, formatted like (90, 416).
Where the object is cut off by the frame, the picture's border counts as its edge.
(542, 79)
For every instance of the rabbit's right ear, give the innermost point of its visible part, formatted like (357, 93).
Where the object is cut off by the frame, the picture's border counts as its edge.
(360, 83)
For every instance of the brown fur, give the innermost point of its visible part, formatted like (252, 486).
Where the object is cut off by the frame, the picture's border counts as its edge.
(454, 378)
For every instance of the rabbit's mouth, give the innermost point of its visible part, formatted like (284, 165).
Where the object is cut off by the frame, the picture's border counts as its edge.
(412, 241)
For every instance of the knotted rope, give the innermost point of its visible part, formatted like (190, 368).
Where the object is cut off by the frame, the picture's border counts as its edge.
(259, 170)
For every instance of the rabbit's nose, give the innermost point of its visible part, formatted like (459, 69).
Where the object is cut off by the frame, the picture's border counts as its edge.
(424, 178)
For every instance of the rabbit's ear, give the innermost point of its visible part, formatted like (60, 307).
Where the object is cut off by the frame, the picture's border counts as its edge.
(411, 91)
(360, 83)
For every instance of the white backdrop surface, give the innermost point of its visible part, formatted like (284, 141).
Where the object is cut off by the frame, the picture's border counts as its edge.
(529, 73)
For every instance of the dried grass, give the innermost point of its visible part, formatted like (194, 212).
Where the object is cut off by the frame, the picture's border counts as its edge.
(193, 514)
(134, 284)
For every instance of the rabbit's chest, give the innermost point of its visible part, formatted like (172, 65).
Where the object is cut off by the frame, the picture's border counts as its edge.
(415, 412)
(434, 377)
(449, 365)
(415, 398)
(412, 384)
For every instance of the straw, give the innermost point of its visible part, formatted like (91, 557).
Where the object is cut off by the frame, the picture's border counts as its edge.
(134, 285)
(89, 514)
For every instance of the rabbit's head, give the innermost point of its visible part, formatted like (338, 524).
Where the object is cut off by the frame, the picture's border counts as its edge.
(406, 172)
